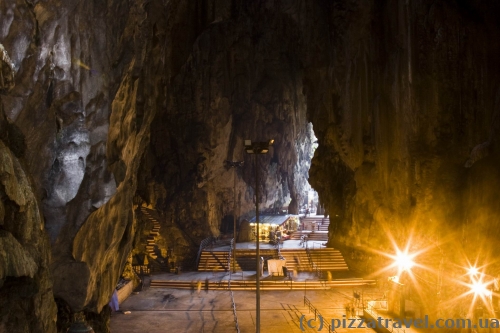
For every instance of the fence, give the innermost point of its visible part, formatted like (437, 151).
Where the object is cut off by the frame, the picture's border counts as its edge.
(204, 243)
(142, 270)
(234, 313)
(312, 308)
(230, 259)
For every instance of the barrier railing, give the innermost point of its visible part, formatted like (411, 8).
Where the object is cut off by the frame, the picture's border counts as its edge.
(204, 243)
(312, 308)
(234, 313)
(229, 258)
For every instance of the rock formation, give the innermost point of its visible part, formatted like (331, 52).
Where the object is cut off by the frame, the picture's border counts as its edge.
(26, 299)
(406, 111)
(108, 105)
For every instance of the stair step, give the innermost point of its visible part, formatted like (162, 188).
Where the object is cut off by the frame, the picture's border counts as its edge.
(284, 284)
(299, 260)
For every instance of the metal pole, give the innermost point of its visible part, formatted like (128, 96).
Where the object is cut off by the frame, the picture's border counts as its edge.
(257, 296)
(305, 289)
(234, 223)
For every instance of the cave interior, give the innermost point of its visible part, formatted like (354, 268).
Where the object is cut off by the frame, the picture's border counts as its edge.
(387, 112)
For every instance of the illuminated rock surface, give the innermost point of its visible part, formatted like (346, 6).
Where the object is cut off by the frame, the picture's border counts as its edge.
(105, 105)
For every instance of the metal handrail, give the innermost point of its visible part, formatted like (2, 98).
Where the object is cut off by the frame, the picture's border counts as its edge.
(234, 313)
(229, 263)
(317, 313)
(204, 243)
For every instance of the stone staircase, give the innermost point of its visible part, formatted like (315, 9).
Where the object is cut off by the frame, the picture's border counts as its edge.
(297, 260)
(245, 259)
(213, 261)
(153, 234)
(277, 284)
(313, 234)
(318, 236)
(217, 261)
(327, 260)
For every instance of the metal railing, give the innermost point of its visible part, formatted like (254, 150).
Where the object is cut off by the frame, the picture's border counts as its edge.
(310, 259)
(312, 308)
(230, 258)
(234, 313)
(315, 266)
(204, 243)
(141, 277)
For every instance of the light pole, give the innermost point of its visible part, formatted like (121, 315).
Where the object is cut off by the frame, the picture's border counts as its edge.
(305, 288)
(257, 148)
(234, 164)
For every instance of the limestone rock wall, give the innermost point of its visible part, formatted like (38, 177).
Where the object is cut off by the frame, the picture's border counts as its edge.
(406, 111)
(85, 86)
(26, 298)
(233, 84)
(81, 100)
(411, 114)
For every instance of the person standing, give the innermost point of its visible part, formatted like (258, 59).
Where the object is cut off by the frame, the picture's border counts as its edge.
(199, 287)
(113, 303)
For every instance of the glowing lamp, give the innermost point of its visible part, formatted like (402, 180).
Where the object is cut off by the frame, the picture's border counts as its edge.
(473, 271)
(404, 261)
(480, 289)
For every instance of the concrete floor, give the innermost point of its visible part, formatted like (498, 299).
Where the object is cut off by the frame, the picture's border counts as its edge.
(287, 244)
(162, 310)
(156, 310)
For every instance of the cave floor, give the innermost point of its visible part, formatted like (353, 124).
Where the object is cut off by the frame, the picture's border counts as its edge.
(171, 310)
(161, 310)
(288, 244)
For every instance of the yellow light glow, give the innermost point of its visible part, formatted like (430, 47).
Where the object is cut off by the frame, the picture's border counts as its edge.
(404, 261)
(473, 271)
(480, 289)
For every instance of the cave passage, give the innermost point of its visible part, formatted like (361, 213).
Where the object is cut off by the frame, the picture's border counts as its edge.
(305, 198)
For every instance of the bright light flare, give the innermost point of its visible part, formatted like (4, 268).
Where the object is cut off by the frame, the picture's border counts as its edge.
(480, 289)
(404, 261)
(473, 271)
(477, 287)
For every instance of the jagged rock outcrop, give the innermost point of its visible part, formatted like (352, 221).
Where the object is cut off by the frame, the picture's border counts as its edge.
(26, 298)
(111, 103)
(233, 85)
(406, 113)
(82, 102)
(89, 81)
